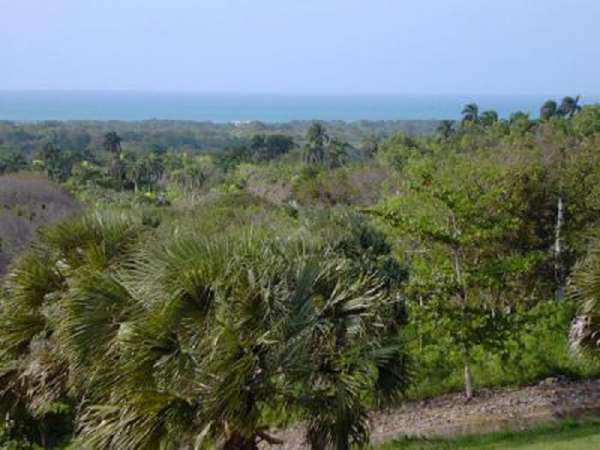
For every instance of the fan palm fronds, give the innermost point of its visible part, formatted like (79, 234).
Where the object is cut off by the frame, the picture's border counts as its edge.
(585, 289)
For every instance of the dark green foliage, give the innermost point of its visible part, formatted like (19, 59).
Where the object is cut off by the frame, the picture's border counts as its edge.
(11, 161)
(191, 335)
(271, 146)
(316, 138)
(470, 113)
(548, 110)
(569, 106)
(445, 128)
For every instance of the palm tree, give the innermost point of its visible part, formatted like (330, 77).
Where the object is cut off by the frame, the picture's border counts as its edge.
(316, 137)
(569, 106)
(112, 144)
(38, 365)
(445, 128)
(144, 171)
(548, 110)
(488, 118)
(470, 113)
(187, 340)
(585, 289)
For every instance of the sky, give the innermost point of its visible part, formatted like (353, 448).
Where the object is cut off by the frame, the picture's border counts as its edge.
(302, 46)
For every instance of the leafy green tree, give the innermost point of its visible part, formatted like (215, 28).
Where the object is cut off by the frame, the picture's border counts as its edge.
(87, 173)
(11, 161)
(520, 123)
(268, 147)
(337, 153)
(234, 156)
(587, 122)
(59, 163)
(548, 110)
(398, 149)
(470, 113)
(569, 106)
(461, 212)
(571, 167)
(488, 118)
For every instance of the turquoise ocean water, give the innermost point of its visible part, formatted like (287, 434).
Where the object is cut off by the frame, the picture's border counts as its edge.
(70, 105)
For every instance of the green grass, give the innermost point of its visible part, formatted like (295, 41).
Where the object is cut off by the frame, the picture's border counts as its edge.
(568, 435)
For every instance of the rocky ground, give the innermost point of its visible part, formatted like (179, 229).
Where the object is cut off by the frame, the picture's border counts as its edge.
(490, 410)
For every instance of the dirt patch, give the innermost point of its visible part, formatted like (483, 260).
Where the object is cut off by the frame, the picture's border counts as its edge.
(492, 410)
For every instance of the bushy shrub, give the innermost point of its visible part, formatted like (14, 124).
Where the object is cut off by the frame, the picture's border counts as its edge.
(27, 202)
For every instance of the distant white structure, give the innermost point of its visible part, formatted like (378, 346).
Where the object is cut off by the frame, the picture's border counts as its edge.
(241, 123)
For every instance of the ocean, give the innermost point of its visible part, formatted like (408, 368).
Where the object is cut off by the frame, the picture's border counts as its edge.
(26, 106)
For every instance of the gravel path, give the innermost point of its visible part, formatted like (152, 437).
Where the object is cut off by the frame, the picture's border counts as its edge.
(490, 410)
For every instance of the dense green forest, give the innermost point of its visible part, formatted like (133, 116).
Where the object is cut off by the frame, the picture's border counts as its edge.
(177, 285)
(79, 140)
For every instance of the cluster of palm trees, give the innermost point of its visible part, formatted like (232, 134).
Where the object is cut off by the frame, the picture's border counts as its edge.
(166, 338)
(471, 114)
(144, 171)
(569, 106)
(127, 169)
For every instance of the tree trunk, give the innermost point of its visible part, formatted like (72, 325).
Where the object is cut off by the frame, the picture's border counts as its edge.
(316, 441)
(343, 444)
(236, 441)
(558, 268)
(468, 381)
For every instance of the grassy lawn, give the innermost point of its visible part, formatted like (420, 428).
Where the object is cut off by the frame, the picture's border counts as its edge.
(569, 435)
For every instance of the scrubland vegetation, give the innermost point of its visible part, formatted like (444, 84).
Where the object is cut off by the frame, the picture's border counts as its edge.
(206, 289)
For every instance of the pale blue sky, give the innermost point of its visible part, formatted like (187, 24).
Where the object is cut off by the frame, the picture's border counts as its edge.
(299, 46)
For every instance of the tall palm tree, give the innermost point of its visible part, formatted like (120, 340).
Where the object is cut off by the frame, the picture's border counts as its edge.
(316, 137)
(548, 110)
(470, 113)
(112, 144)
(569, 106)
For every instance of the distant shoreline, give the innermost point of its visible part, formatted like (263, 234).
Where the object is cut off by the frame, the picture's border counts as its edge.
(234, 123)
(36, 106)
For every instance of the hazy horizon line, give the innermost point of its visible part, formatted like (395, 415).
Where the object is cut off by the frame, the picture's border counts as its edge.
(294, 93)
